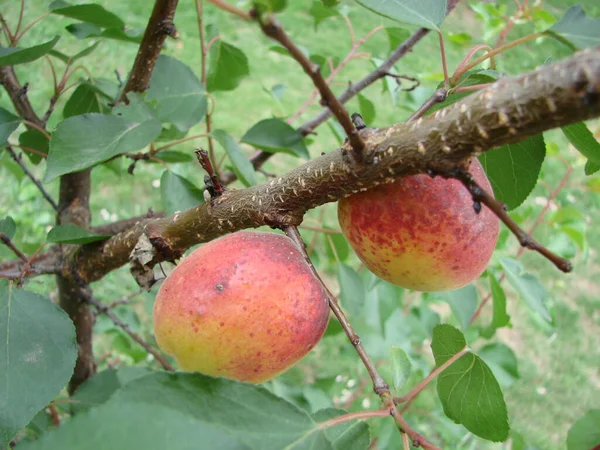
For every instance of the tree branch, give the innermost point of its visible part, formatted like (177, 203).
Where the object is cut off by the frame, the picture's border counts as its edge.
(18, 96)
(510, 110)
(159, 27)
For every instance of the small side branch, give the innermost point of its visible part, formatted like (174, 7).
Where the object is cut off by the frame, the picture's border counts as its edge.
(43, 191)
(275, 31)
(100, 307)
(159, 27)
(480, 196)
(18, 96)
(9, 243)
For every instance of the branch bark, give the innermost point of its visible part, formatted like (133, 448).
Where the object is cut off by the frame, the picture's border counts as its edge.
(18, 96)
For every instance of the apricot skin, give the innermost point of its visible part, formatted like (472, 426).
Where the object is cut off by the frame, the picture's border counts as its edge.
(245, 306)
(420, 232)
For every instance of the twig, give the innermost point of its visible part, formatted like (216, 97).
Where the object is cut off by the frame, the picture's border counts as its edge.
(160, 25)
(444, 62)
(360, 415)
(43, 191)
(204, 49)
(432, 376)
(231, 9)
(275, 31)
(437, 97)
(9, 243)
(18, 96)
(499, 209)
(118, 322)
(211, 180)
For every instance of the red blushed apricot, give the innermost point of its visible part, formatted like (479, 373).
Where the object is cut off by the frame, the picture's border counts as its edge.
(420, 232)
(245, 306)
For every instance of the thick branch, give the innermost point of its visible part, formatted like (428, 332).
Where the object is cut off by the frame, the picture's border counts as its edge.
(159, 27)
(18, 96)
(510, 110)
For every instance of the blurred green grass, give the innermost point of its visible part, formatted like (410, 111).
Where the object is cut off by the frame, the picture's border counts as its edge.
(560, 370)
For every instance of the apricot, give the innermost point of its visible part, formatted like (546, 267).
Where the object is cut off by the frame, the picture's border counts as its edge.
(421, 232)
(245, 306)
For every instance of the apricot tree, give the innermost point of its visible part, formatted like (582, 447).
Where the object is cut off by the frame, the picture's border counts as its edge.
(473, 113)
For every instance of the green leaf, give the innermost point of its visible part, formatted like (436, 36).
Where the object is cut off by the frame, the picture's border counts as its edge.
(401, 367)
(500, 318)
(591, 168)
(37, 356)
(396, 36)
(71, 234)
(11, 166)
(274, 135)
(36, 140)
(172, 156)
(469, 393)
(177, 193)
(83, 53)
(342, 249)
(578, 29)
(513, 169)
(90, 13)
(320, 12)
(470, 78)
(528, 286)
(82, 141)
(8, 227)
(100, 388)
(352, 290)
(502, 362)
(190, 411)
(422, 13)
(8, 124)
(85, 99)
(88, 30)
(264, 6)
(583, 140)
(227, 67)
(585, 433)
(351, 435)
(367, 109)
(176, 94)
(10, 56)
(241, 165)
(463, 303)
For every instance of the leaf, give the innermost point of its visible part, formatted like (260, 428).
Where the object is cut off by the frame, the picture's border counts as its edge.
(351, 435)
(585, 433)
(71, 234)
(320, 12)
(396, 36)
(352, 290)
(463, 303)
(241, 165)
(591, 168)
(10, 56)
(190, 411)
(172, 156)
(177, 193)
(264, 6)
(422, 13)
(37, 356)
(90, 13)
(528, 286)
(500, 318)
(584, 141)
(502, 362)
(176, 94)
(342, 249)
(99, 388)
(401, 367)
(469, 393)
(36, 140)
(470, 78)
(578, 29)
(88, 30)
(227, 66)
(82, 141)
(274, 135)
(513, 169)
(83, 100)
(8, 124)
(83, 53)
(367, 109)
(8, 227)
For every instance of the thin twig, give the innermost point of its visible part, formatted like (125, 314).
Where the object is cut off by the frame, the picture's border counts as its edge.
(437, 97)
(231, 9)
(272, 28)
(118, 322)
(360, 415)
(9, 243)
(214, 186)
(45, 194)
(499, 209)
